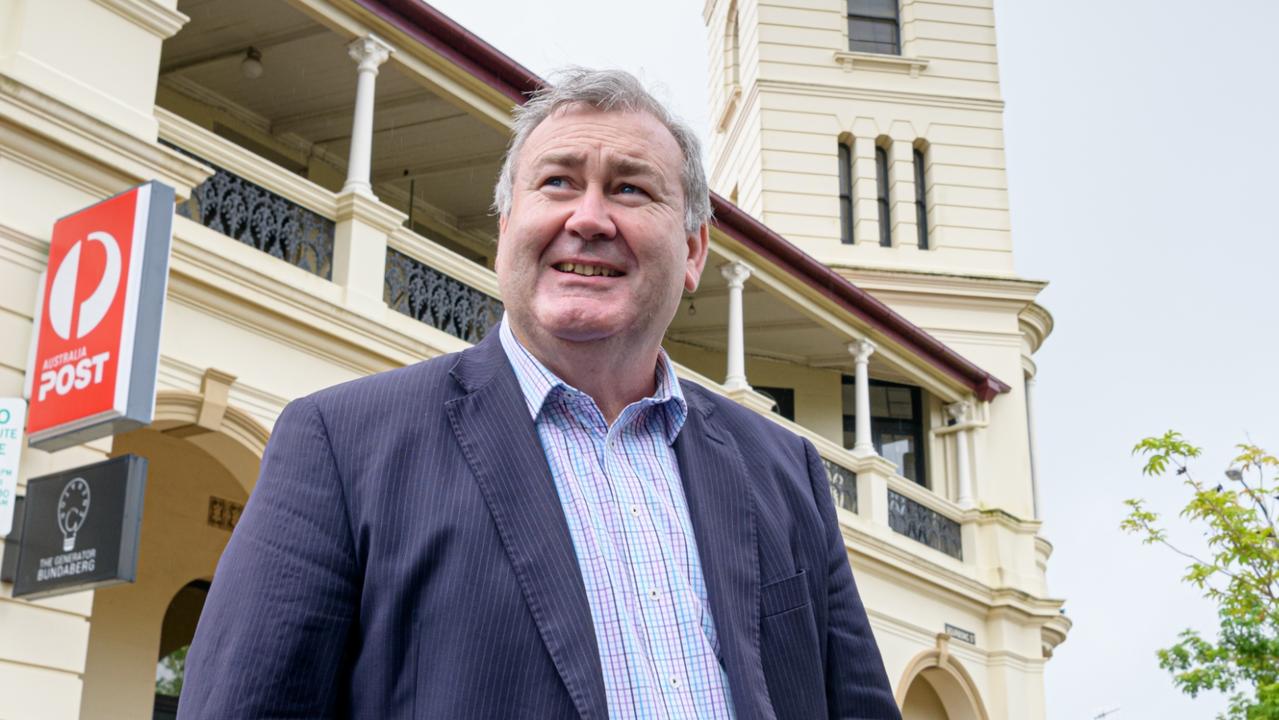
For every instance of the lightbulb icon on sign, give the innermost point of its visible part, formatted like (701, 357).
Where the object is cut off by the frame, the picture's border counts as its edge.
(73, 508)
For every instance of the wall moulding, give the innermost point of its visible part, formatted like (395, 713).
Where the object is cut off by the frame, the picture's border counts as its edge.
(102, 159)
(148, 15)
(849, 59)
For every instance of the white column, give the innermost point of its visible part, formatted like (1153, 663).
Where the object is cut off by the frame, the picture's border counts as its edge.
(370, 52)
(1030, 431)
(961, 412)
(736, 274)
(862, 350)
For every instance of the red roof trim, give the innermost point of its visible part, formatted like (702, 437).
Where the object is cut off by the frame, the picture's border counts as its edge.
(445, 36)
(437, 31)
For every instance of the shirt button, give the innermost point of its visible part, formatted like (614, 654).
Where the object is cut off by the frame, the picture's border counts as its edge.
(653, 593)
(674, 682)
(635, 510)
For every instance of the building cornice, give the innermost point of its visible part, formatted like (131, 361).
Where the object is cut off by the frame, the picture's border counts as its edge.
(937, 283)
(1036, 325)
(126, 159)
(844, 92)
(148, 15)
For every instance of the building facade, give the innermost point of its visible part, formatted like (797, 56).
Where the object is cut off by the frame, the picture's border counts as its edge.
(869, 134)
(333, 162)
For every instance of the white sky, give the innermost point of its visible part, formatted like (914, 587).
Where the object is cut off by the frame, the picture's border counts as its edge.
(1141, 148)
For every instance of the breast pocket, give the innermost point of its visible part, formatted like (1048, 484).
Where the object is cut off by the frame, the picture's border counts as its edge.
(785, 594)
(790, 651)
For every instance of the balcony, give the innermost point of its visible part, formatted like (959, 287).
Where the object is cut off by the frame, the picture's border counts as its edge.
(294, 221)
(388, 211)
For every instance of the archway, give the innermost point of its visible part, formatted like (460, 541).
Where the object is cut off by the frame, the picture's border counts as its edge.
(936, 686)
(197, 481)
(176, 633)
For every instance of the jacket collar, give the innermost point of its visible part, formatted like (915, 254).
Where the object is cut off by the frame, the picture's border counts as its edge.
(500, 443)
(498, 438)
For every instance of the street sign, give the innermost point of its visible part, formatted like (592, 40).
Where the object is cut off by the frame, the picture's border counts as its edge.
(80, 528)
(12, 413)
(98, 324)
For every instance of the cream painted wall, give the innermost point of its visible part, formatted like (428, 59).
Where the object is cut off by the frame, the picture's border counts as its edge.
(922, 703)
(802, 93)
(818, 404)
(177, 546)
(797, 100)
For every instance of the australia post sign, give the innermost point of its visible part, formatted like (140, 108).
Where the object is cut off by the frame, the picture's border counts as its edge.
(94, 362)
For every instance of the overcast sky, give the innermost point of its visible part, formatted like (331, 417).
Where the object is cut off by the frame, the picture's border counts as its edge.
(1141, 142)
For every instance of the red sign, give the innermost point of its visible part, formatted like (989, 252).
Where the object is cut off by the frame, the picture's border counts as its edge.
(93, 369)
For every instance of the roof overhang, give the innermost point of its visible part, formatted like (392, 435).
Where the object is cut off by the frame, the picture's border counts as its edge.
(453, 41)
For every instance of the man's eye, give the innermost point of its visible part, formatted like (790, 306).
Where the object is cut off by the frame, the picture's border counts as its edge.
(555, 181)
(628, 189)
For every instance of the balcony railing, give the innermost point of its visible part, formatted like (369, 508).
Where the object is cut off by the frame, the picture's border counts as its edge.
(260, 204)
(925, 525)
(252, 214)
(428, 295)
(843, 485)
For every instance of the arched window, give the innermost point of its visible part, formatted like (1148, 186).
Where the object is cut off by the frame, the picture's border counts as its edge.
(881, 186)
(873, 28)
(921, 206)
(845, 193)
(732, 49)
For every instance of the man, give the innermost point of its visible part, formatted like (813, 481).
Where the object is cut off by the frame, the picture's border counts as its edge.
(550, 524)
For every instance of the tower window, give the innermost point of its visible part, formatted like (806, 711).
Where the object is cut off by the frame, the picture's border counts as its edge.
(732, 49)
(845, 194)
(921, 208)
(873, 28)
(881, 185)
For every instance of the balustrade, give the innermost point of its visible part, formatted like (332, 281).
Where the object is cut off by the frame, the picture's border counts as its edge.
(428, 295)
(245, 211)
(925, 525)
(843, 485)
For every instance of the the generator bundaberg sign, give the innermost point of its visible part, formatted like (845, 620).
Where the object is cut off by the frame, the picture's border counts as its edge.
(93, 367)
(80, 528)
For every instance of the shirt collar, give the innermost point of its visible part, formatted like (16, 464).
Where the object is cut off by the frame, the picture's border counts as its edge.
(538, 383)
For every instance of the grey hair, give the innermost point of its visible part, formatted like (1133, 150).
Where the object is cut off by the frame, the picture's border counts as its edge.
(606, 90)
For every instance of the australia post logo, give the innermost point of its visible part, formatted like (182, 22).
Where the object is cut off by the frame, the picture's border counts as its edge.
(83, 323)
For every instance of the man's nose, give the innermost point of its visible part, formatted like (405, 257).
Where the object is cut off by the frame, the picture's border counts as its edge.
(590, 219)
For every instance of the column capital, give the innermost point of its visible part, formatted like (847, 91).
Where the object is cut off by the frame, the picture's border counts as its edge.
(369, 51)
(960, 412)
(735, 273)
(861, 350)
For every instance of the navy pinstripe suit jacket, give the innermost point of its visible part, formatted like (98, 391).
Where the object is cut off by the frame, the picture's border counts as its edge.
(405, 555)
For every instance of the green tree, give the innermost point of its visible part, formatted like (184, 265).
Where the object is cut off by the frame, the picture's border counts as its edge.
(169, 675)
(1240, 574)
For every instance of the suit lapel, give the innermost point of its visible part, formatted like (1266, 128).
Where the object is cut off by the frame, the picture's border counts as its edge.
(500, 442)
(722, 509)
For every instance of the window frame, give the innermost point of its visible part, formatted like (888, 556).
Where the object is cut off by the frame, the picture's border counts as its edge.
(862, 11)
(914, 428)
(846, 222)
(921, 197)
(881, 196)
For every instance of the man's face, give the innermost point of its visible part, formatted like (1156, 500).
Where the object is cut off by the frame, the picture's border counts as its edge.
(594, 247)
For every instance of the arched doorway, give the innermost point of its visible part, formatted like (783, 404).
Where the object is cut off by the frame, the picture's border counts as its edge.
(936, 686)
(176, 634)
(197, 481)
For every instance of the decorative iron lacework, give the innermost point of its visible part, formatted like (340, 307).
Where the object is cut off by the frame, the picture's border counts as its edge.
(426, 294)
(259, 218)
(924, 525)
(843, 485)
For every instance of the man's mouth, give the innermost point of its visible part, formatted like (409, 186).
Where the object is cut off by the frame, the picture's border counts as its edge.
(587, 270)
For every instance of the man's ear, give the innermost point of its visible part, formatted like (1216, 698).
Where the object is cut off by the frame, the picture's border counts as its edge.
(698, 247)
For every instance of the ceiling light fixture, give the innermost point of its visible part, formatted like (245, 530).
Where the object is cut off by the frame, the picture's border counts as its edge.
(251, 66)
